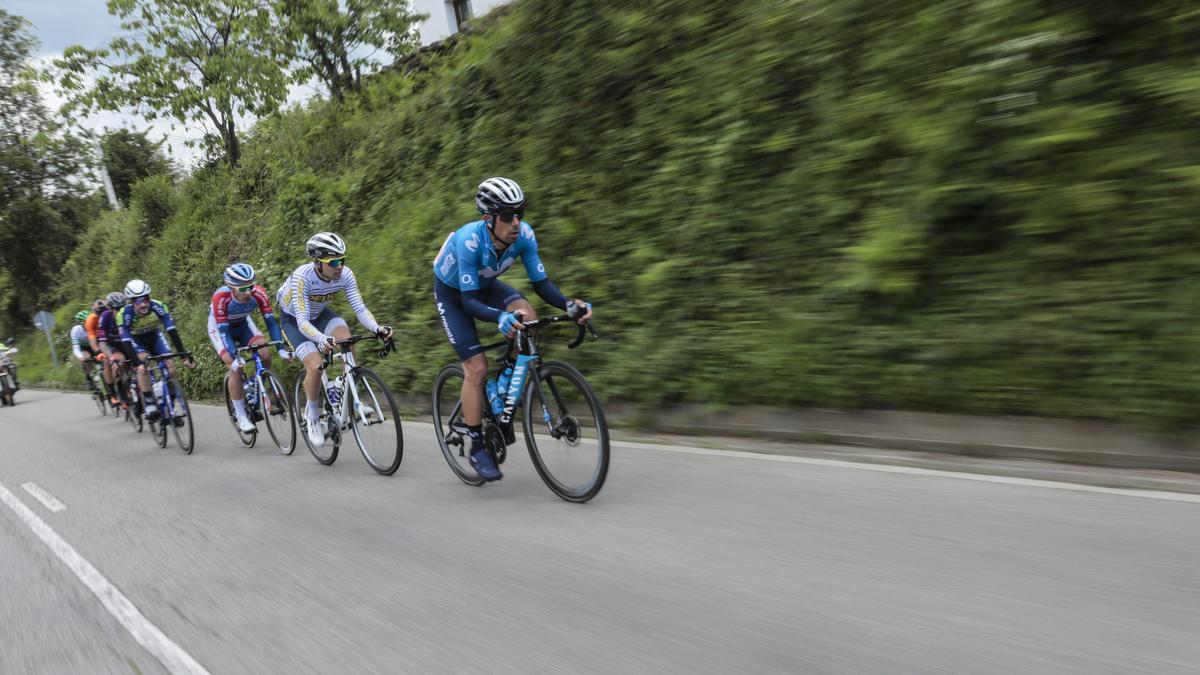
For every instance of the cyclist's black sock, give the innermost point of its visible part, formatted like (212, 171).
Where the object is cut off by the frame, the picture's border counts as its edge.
(475, 431)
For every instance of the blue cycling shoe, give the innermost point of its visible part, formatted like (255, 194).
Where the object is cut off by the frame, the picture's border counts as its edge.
(485, 466)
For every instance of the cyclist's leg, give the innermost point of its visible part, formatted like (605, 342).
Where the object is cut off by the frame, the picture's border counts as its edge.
(86, 366)
(218, 345)
(159, 347)
(307, 353)
(106, 374)
(117, 359)
(460, 330)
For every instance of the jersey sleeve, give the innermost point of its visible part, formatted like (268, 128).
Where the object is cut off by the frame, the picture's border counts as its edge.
(300, 308)
(529, 255)
(78, 333)
(466, 249)
(163, 315)
(264, 305)
(356, 302)
(220, 307)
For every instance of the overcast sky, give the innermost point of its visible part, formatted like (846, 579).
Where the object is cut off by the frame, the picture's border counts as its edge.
(58, 24)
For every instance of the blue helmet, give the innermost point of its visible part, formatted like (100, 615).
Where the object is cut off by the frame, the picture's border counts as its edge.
(239, 274)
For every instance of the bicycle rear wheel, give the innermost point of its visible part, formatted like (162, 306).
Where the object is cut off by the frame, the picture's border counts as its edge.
(327, 453)
(566, 432)
(277, 413)
(449, 425)
(181, 419)
(375, 421)
(247, 439)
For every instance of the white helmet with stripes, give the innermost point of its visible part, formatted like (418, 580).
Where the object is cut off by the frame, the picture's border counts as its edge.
(325, 245)
(499, 195)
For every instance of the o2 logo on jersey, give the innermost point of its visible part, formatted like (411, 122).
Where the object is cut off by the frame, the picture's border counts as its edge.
(466, 279)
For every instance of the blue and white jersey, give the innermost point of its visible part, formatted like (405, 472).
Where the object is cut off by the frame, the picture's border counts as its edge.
(469, 262)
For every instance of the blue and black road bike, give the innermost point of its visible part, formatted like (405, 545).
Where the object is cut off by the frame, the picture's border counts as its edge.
(561, 416)
(173, 409)
(266, 401)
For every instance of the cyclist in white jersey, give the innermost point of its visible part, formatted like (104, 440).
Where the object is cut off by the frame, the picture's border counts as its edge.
(309, 325)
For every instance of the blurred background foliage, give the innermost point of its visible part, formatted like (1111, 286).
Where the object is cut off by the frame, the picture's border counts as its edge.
(972, 206)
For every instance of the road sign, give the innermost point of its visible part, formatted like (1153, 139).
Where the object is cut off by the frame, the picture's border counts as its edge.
(43, 320)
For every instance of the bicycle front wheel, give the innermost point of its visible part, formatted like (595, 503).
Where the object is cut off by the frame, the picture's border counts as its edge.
(449, 425)
(375, 420)
(181, 419)
(277, 412)
(566, 432)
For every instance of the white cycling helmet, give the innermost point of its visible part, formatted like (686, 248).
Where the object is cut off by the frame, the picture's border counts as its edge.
(499, 195)
(136, 288)
(239, 274)
(325, 245)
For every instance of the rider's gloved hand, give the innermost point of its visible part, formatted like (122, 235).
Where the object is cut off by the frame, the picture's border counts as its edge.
(579, 310)
(285, 354)
(509, 324)
(384, 332)
(237, 364)
(328, 344)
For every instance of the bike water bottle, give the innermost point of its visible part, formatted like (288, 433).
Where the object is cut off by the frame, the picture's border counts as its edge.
(334, 391)
(493, 396)
(158, 390)
(251, 392)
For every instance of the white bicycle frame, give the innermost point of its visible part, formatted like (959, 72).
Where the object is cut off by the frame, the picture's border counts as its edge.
(347, 391)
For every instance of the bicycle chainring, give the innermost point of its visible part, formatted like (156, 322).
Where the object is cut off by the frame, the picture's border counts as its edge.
(493, 440)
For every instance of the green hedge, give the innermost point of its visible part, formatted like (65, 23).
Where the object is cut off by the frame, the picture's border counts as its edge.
(960, 206)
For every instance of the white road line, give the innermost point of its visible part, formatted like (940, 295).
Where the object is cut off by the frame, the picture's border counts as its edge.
(912, 470)
(147, 634)
(44, 497)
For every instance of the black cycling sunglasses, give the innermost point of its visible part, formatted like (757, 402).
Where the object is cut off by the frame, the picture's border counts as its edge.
(507, 217)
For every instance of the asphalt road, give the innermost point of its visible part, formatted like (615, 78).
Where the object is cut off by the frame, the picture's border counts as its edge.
(245, 561)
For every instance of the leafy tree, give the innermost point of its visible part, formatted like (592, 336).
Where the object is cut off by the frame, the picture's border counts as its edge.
(43, 202)
(328, 38)
(129, 157)
(207, 61)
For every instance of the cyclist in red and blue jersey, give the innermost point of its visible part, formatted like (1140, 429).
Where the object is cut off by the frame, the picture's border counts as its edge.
(108, 337)
(230, 326)
(139, 323)
(466, 288)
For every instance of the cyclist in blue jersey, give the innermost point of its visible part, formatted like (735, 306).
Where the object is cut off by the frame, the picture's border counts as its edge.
(141, 335)
(466, 288)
